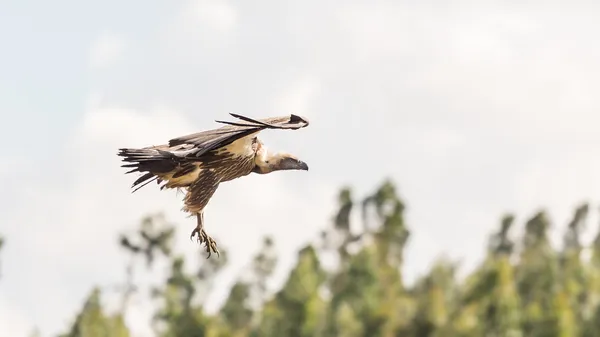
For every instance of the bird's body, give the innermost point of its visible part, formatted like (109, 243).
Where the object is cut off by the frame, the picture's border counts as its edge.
(199, 162)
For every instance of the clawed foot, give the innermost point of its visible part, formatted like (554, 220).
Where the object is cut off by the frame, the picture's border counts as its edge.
(210, 243)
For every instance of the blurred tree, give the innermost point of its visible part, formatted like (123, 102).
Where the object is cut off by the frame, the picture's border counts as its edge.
(592, 314)
(575, 279)
(356, 291)
(263, 266)
(389, 231)
(368, 286)
(537, 275)
(297, 310)
(236, 311)
(523, 287)
(500, 244)
(241, 310)
(490, 293)
(342, 225)
(595, 248)
(180, 315)
(155, 234)
(177, 314)
(93, 322)
(436, 297)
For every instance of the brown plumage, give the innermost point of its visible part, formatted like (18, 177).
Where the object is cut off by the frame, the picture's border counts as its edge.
(199, 162)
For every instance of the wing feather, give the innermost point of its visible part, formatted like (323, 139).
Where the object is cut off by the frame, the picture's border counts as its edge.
(282, 122)
(209, 140)
(177, 161)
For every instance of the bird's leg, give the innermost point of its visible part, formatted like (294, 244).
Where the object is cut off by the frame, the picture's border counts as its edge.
(210, 243)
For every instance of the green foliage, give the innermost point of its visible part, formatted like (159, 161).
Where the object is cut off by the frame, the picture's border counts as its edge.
(296, 302)
(93, 322)
(523, 287)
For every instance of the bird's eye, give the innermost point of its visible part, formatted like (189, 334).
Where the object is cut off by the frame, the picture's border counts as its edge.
(266, 161)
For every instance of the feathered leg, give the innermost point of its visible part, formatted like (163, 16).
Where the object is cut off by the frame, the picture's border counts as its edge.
(210, 243)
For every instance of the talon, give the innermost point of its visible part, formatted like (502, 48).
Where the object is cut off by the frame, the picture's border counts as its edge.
(195, 231)
(211, 247)
(209, 243)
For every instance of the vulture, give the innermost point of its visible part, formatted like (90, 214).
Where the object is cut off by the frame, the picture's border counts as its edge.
(199, 162)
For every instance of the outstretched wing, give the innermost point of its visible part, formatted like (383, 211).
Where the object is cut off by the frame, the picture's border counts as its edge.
(206, 141)
(181, 160)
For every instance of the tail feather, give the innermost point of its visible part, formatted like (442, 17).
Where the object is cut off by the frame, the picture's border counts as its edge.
(148, 178)
(151, 161)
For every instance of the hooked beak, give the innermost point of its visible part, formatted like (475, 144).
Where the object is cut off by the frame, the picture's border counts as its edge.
(302, 165)
(292, 164)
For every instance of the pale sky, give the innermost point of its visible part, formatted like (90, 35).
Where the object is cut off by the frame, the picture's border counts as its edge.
(473, 108)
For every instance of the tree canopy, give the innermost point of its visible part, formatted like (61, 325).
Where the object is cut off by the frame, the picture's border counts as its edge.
(524, 286)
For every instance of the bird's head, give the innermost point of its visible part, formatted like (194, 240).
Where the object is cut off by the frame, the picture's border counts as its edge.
(267, 162)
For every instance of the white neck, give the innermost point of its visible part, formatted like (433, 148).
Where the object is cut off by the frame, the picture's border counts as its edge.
(262, 156)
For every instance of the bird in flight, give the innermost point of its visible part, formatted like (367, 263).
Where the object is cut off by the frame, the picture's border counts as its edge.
(199, 162)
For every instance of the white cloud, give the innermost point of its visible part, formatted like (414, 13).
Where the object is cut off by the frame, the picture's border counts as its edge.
(206, 20)
(13, 322)
(298, 97)
(216, 14)
(106, 50)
